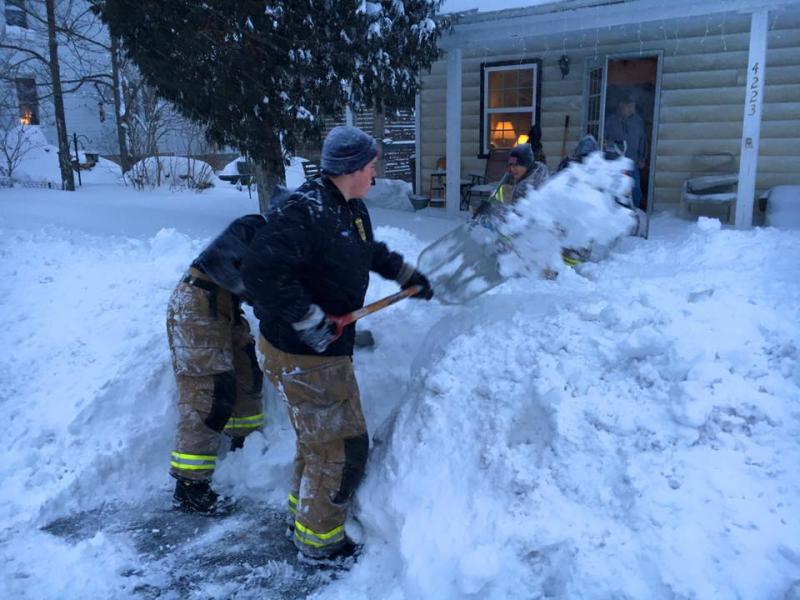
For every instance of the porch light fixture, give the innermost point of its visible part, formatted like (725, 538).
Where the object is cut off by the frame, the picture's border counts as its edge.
(563, 64)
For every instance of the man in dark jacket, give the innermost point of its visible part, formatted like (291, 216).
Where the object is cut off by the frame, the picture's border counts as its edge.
(213, 355)
(312, 259)
(626, 128)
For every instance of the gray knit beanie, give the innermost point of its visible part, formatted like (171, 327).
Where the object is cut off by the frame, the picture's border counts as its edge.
(346, 150)
(524, 155)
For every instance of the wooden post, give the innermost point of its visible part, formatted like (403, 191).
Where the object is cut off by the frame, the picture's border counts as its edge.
(379, 133)
(453, 123)
(418, 145)
(751, 126)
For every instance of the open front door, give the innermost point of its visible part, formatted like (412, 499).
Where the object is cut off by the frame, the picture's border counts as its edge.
(622, 102)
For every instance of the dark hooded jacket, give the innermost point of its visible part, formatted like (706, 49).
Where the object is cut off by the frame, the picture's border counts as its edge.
(222, 258)
(318, 248)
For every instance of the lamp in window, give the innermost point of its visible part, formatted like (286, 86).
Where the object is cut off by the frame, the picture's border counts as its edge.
(522, 139)
(26, 118)
(503, 134)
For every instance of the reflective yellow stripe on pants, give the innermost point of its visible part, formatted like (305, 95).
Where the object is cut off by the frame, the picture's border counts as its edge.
(193, 462)
(308, 536)
(293, 504)
(253, 422)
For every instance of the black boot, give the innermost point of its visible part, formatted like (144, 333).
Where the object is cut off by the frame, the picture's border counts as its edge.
(237, 442)
(343, 557)
(198, 497)
(347, 549)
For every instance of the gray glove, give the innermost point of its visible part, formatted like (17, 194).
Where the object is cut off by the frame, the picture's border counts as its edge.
(315, 329)
(409, 277)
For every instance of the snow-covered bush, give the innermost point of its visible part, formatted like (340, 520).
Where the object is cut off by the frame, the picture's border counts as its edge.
(16, 143)
(176, 172)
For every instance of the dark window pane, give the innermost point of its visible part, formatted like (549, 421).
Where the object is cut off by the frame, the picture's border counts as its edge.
(525, 97)
(15, 13)
(525, 78)
(495, 79)
(495, 98)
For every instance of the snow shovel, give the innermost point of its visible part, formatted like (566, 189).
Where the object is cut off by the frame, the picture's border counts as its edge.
(343, 321)
(462, 265)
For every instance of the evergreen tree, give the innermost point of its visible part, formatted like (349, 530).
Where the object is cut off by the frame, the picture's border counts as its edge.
(261, 75)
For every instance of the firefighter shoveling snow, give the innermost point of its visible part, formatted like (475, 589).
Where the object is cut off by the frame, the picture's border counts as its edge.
(584, 208)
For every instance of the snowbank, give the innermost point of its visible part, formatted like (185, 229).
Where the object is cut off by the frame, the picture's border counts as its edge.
(390, 193)
(175, 172)
(783, 207)
(294, 170)
(626, 431)
(39, 163)
(629, 433)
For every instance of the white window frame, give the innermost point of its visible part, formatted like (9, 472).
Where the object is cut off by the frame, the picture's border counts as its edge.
(533, 66)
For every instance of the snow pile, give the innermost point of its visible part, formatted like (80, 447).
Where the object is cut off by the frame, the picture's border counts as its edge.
(88, 381)
(38, 162)
(389, 193)
(175, 172)
(626, 431)
(294, 170)
(576, 209)
(783, 207)
(628, 434)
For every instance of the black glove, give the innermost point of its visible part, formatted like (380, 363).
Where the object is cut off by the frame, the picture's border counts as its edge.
(315, 329)
(409, 277)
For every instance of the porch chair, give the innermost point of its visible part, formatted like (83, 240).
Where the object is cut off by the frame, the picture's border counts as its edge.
(436, 184)
(484, 185)
(714, 183)
(246, 174)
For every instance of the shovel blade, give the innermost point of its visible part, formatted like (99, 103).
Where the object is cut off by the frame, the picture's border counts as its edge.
(462, 265)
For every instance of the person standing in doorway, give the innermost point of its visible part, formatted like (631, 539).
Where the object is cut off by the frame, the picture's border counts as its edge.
(626, 127)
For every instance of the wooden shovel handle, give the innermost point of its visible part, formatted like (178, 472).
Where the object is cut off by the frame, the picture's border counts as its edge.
(342, 321)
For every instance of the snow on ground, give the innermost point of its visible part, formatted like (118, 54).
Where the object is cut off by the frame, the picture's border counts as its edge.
(38, 163)
(626, 431)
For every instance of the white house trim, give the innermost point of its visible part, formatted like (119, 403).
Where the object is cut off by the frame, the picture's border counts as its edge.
(751, 129)
(502, 25)
(453, 133)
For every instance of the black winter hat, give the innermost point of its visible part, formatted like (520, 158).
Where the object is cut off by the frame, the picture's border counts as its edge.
(346, 150)
(524, 155)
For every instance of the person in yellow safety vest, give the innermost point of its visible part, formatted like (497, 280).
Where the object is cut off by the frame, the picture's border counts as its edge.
(526, 172)
(213, 356)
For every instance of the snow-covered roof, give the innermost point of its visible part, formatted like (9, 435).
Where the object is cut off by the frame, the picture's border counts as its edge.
(501, 10)
(556, 17)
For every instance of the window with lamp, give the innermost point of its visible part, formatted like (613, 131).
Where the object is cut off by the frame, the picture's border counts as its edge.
(510, 104)
(28, 101)
(15, 13)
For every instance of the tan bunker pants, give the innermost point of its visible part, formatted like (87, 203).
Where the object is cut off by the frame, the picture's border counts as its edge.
(219, 381)
(332, 443)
